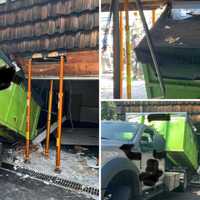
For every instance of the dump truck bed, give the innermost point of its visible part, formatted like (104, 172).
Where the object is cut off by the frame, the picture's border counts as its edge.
(13, 113)
(181, 142)
(177, 52)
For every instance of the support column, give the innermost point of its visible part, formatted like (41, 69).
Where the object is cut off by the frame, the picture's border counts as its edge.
(49, 119)
(28, 114)
(153, 17)
(121, 28)
(60, 111)
(116, 50)
(128, 51)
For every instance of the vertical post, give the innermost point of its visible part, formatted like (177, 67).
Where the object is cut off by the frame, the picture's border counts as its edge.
(60, 110)
(151, 47)
(116, 50)
(153, 16)
(128, 51)
(49, 119)
(121, 53)
(28, 113)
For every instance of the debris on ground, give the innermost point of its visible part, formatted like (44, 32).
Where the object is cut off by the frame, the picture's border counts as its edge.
(172, 40)
(76, 166)
(167, 27)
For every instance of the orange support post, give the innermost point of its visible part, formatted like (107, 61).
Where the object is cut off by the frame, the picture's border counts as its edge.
(128, 52)
(49, 119)
(60, 110)
(153, 17)
(28, 113)
(121, 53)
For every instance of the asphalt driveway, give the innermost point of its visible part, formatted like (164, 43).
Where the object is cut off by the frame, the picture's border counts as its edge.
(16, 187)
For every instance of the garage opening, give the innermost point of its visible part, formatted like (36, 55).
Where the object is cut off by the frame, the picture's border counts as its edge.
(80, 110)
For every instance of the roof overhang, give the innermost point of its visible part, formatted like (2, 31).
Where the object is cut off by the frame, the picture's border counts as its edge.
(147, 4)
(82, 65)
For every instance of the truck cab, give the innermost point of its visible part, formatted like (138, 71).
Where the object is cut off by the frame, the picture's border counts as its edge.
(133, 159)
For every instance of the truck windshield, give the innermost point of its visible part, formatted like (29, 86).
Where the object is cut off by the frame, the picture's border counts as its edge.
(118, 131)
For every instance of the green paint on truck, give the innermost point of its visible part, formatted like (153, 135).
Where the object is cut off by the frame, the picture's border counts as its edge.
(175, 88)
(13, 113)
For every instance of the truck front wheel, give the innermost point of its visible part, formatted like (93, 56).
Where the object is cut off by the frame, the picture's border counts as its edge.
(123, 188)
(119, 193)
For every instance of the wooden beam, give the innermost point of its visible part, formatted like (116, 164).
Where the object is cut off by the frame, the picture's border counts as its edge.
(84, 63)
(147, 5)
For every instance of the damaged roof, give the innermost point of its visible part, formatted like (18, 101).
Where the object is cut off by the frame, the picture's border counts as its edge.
(34, 26)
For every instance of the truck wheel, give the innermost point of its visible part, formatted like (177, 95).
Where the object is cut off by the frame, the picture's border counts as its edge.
(119, 192)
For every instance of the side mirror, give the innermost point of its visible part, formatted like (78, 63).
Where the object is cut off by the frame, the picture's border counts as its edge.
(127, 148)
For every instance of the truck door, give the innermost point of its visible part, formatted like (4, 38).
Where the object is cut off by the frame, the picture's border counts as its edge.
(147, 146)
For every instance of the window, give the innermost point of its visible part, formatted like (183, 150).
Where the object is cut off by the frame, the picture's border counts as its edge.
(2, 1)
(121, 131)
(146, 141)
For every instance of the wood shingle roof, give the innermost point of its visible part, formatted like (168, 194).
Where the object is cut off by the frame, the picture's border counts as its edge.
(32, 26)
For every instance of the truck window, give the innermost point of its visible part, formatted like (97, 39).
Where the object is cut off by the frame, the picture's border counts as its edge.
(118, 131)
(146, 141)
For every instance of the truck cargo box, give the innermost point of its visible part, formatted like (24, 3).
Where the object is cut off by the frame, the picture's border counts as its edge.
(13, 113)
(181, 142)
(177, 52)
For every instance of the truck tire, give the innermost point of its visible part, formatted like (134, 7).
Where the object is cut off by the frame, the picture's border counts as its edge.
(121, 188)
(121, 192)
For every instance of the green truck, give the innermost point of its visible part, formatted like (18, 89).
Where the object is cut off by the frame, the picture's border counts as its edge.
(181, 141)
(148, 154)
(175, 87)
